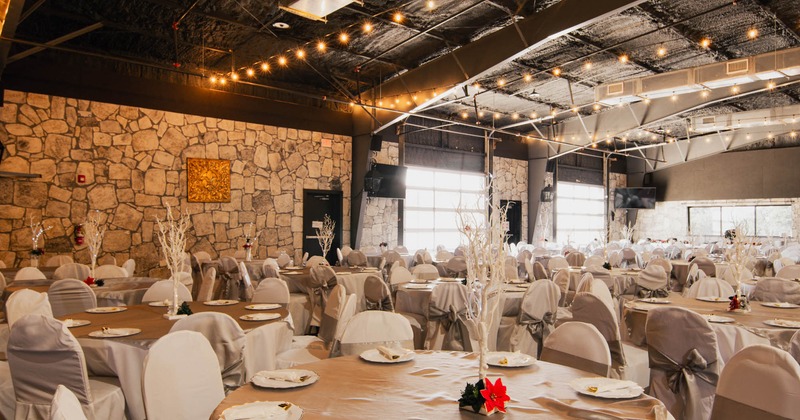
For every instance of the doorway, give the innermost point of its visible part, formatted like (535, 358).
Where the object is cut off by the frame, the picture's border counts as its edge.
(514, 218)
(317, 204)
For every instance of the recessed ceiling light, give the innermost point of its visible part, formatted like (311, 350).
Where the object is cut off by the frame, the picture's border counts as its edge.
(281, 25)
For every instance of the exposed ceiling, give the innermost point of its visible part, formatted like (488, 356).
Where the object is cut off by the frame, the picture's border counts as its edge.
(215, 39)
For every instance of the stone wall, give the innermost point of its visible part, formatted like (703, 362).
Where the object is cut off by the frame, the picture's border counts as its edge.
(134, 163)
(615, 226)
(544, 220)
(511, 183)
(380, 214)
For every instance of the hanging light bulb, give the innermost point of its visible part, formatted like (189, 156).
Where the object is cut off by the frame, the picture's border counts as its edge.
(321, 47)
(344, 37)
(735, 89)
(481, 114)
(431, 4)
(496, 116)
(624, 58)
(527, 77)
(533, 115)
(557, 71)
(661, 51)
(596, 107)
(250, 72)
(771, 85)
(587, 65)
(212, 79)
(234, 76)
(514, 116)
(397, 17)
(264, 67)
(646, 101)
(705, 42)
(752, 33)
(501, 82)
(367, 27)
(222, 81)
(674, 97)
(464, 115)
(705, 92)
(301, 54)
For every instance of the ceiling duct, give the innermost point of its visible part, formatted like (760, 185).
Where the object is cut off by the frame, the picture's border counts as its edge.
(315, 9)
(784, 115)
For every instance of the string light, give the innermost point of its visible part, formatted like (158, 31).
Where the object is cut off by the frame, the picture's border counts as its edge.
(213, 79)
(496, 116)
(250, 72)
(705, 93)
(575, 109)
(481, 114)
(793, 134)
(397, 17)
(771, 85)
(674, 97)
(367, 27)
(587, 65)
(533, 115)
(735, 89)
(501, 82)
(321, 47)
(527, 77)
(476, 85)
(705, 42)
(234, 76)
(661, 52)
(596, 107)
(752, 33)
(464, 115)
(264, 67)
(301, 54)
(515, 116)
(557, 71)
(343, 37)
(222, 81)
(646, 101)
(282, 60)
(624, 58)
(431, 5)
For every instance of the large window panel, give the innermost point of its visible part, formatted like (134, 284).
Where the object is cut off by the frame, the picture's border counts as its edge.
(762, 221)
(732, 216)
(580, 212)
(774, 221)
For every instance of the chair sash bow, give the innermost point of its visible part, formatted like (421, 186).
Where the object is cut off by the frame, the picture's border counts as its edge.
(682, 378)
(456, 333)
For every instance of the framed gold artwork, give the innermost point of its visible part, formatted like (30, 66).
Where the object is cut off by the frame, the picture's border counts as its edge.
(209, 180)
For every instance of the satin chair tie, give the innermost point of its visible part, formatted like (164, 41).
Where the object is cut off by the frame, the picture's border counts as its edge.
(644, 293)
(682, 378)
(456, 332)
(384, 304)
(539, 329)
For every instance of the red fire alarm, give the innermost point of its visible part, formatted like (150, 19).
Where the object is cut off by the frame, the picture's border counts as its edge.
(81, 179)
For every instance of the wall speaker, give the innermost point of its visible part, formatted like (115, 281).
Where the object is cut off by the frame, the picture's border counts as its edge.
(377, 142)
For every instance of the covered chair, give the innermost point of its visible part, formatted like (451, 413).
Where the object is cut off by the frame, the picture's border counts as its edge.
(777, 290)
(561, 279)
(594, 260)
(29, 273)
(262, 346)
(705, 265)
(72, 271)
(782, 262)
(539, 273)
(392, 256)
(284, 260)
(653, 281)
(272, 290)
(245, 284)
(109, 271)
(759, 382)
(228, 277)
(709, 287)
(58, 261)
(356, 259)
(65, 406)
(322, 279)
(42, 354)
(377, 294)
(576, 259)
(180, 384)
(425, 271)
(202, 256)
(615, 258)
(729, 277)
(578, 345)
(597, 287)
(129, 266)
(684, 364)
(794, 346)
(162, 290)
(447, 324)
(316, 260)
(69, 296)
(206, 291)
(24, 302)
(629, 258)
(666, 265)
(457, 266)
(530, 275)
(226, 338)
(556, 263)
(526, 332)
(422, 256)
(370, 329)
(789, 272)
(510, 267)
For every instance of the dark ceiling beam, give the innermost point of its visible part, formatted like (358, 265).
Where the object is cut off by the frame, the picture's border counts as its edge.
(479, 58)
(29, 11)
(784, 24)
(9, 30)
(57, 41)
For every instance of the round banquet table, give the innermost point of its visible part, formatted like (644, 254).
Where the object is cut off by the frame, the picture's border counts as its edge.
(375, 260)
(124, 357)
(680, 270)
(10, 273)
(114, 292)
(352, 278)
(747, 329)
(430, 385)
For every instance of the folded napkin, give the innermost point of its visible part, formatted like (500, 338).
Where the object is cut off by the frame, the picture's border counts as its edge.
(610, 385)
(114, 331)
(391, 354)
(256, 411)
(283, 375)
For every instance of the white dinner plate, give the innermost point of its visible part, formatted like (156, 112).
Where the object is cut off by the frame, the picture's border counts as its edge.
(450, 279)
(718, 319)
(373, 269)
(373, 355)
(73, 323)
(114, 332)
(655, 300)
(277, 410)
(292, 267)
(713, 299)
(220, 302)
(262, 306)
(516, 289)
(419, 281)
(783, 323)
(260, 316)
(508, 359)
(106, 309)
(782, 305)
(264, 382)
(343, 273)
(417, 286)
(163, 303)
(619, 388)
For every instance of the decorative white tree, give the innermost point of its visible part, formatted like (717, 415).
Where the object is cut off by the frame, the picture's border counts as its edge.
(250, 241)
(627, 232)
(485, 255)
(738, 255)
(325, 235)
(172, 236)
(94, 230)
(37, 230)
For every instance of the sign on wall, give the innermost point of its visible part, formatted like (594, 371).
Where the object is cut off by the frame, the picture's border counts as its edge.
(209, 180)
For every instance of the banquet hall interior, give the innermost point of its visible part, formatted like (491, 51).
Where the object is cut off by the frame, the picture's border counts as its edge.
(240, 209)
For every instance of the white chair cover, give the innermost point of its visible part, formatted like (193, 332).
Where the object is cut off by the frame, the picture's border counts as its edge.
(109, 271)
(705, 265)
(314, 349)
(578, 345)
(615, 258)
(594, 260)
(7, 398)
(576, 259)
(42, 354)
(356, 259)
(556, 263)
(369, 250)
(202, 256)
(629, 257)
(510, 267)
(401, 249)
(600, 273)
(709, 287)
(599, 288)
(322, 279)
(305, 258)
(447, 324)
(666, 265)
(332, 314)
(245, 284)
(653, 281)
(272, 290)
(69, 296)
(589, 308)
(789, 272)
(400, 275)
(781, 263)
(162, 290)
(530, 274)
(226, 338)
(29, 273)
(130, 266)
(206, 291)
(377, 295)
(684, 361)
(759, 382)
(346, 250)
(340, 256)
(58, 261)
(392, 256)
(65, 405)
(24, 302)
(457, 266)
(776, 290)
(181, 384)
(262, 346)
(794, 346)
(370, 329)
(561, 279)
(537, 316)
(425, 272)
(284, 259)
(72, 271)
(316, 260)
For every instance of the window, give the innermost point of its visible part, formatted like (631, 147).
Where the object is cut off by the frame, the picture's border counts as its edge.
(760, 220)
(580, 212)
(432, 198)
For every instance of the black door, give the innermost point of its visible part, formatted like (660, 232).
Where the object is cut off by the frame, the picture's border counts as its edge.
(316, 204)
(514, 217)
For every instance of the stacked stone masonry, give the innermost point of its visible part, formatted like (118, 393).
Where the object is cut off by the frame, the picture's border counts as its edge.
(134, 162)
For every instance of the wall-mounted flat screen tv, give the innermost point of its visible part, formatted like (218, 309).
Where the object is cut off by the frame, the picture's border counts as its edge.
(634, 198)
(392, 181)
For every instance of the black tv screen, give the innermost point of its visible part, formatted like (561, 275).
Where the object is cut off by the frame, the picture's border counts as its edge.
(634, 198)
(393, 181)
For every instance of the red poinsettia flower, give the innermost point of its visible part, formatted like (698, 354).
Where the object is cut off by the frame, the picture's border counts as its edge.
(495, 395)
(89, 280)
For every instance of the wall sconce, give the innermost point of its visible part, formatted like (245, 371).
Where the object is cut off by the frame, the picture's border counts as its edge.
(547, 194)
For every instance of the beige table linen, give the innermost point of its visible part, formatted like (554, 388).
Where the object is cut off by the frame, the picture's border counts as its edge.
(748, 328)
(351, 278)
(429, 387)
(10, 273)
(123, 357)
(680, 269)
(114, 292)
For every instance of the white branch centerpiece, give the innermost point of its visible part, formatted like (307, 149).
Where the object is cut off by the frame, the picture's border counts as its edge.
(37, 230)
(738, 255)
(250, 241)
(627, 232)
(93, 231)
(172, 236)
(325, 234)
(483, 228)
